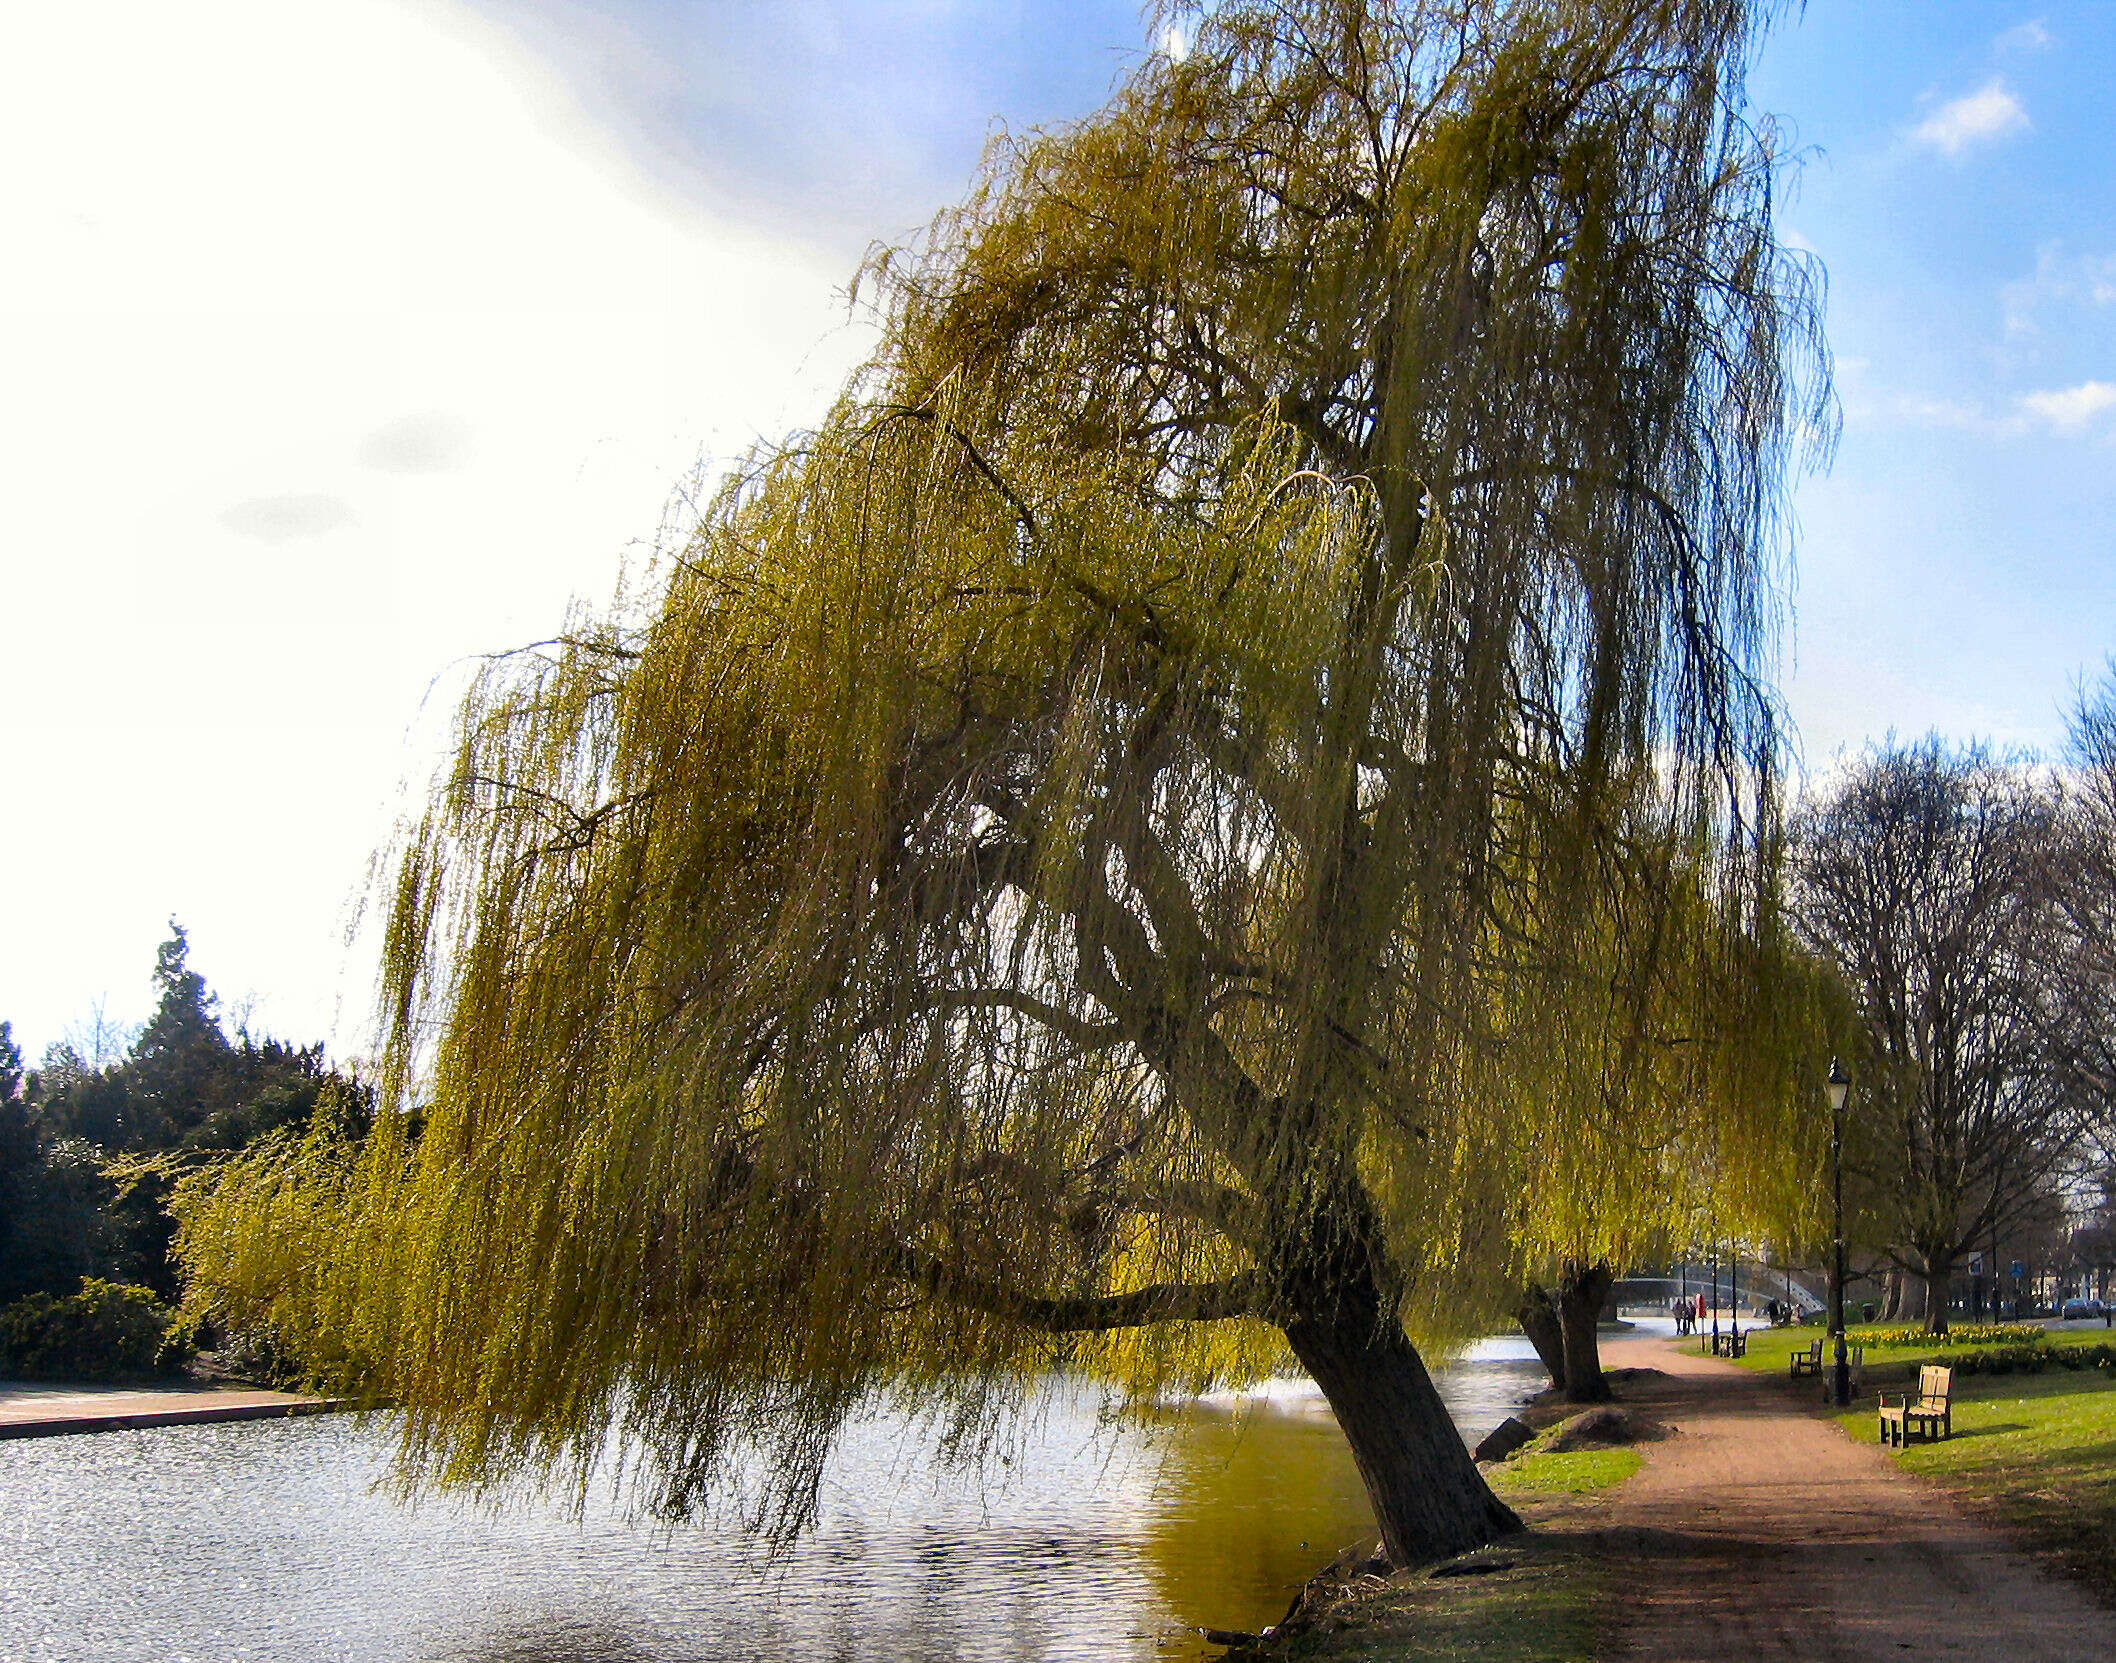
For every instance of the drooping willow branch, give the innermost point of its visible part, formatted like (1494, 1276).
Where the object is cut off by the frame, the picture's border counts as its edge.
(1245, 1294)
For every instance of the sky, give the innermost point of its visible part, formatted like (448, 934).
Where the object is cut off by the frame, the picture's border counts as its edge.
(346, 341)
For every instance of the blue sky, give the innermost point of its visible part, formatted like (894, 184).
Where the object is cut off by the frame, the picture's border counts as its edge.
(837, 122)
(1955, 562)
(1955, 179)
(350, 339)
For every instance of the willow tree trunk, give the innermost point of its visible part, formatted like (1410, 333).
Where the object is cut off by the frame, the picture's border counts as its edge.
(1933, 1279)
(1538, 1316)
(1582, 1289)
(1428, 1497)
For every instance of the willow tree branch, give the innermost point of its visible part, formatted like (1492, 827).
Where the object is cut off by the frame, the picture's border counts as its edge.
(1227, 1210)
(1078, 1029)
(1244, 1294)
(918, 413)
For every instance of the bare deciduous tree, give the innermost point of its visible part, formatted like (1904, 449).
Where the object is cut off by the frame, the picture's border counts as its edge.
(2083, 879)
(1923, 877)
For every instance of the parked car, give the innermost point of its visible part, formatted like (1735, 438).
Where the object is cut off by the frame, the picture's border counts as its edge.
(2076, 1308)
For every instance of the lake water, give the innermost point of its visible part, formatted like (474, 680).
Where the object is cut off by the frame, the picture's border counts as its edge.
(264, 1540)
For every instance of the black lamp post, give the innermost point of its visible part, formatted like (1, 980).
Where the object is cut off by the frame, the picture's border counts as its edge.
(1715, 1298)
(1840, 1374)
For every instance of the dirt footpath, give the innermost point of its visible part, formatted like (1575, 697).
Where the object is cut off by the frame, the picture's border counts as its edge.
(1760, 1531)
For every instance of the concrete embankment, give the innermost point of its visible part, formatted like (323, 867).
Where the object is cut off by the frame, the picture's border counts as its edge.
(55, 1411)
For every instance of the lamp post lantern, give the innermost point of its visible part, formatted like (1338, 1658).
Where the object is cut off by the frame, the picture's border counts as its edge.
(1840, 1373)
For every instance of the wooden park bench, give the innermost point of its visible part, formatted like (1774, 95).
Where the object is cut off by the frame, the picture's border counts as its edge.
(1931, 1410)
(1815, 1363)
(1731, 1343)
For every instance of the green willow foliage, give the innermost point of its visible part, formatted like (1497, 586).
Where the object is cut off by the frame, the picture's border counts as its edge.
(1129, 847)
(1662, 1060)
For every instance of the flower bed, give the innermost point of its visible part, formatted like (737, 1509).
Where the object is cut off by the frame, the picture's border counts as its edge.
(1968, 1333)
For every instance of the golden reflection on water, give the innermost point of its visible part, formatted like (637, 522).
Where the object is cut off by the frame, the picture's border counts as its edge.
(1100, 1543)
(1255, 1496)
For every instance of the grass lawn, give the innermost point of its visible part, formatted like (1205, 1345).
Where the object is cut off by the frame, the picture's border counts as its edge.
(1577, 1472)
(1770, 1348)
(1549, 1601)
(2034, 1451)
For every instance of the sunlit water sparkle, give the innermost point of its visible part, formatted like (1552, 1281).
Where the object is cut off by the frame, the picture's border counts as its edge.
(266, 1541)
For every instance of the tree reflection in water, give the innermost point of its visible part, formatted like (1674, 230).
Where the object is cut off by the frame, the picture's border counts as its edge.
(266, 1539)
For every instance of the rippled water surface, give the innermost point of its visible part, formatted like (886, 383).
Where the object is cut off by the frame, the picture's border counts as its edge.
(263, 1540)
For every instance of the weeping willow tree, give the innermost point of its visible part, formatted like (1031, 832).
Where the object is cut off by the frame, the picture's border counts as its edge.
(1033, 891)
(1663, 1060)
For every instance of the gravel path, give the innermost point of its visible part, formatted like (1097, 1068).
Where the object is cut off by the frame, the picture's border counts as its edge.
(1760, 1531)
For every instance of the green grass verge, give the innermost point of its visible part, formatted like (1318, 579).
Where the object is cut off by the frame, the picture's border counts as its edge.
(1578, 1472)
(1550, 1604)
(2037, 1452)
(1768, 1348)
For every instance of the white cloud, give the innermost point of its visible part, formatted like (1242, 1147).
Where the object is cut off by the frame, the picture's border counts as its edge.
(1922, 410)
(2068, 409)
(288, 518)
(2059, 278)
(2058, 409)
(2065, 410)
(338, 346)
(419, 442)
(1990, 113)
(2031, 36)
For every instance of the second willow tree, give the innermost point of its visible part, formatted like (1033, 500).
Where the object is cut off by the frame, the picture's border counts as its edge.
(1035, 890)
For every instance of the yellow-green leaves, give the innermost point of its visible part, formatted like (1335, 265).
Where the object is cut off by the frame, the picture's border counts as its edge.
(1167, 795)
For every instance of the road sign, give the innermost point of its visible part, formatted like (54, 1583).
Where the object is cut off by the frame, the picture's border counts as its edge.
(2018, 1269)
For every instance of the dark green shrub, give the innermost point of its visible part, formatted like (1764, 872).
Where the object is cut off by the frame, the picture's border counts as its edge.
(2100, 1355)
(2000, 1359)
(2029, 1359)
(106, 1331)
(180, 1343)
(253, 1354)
